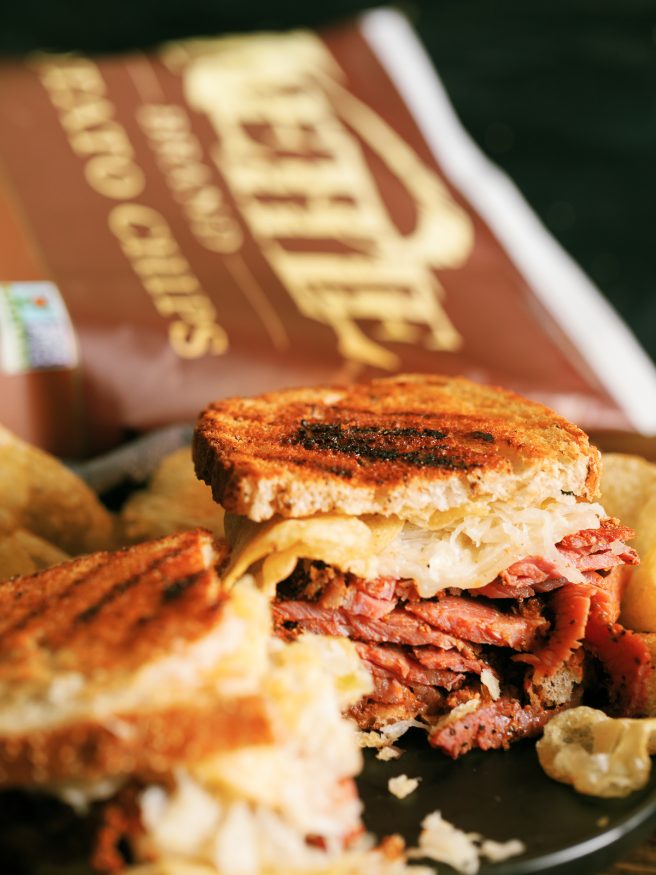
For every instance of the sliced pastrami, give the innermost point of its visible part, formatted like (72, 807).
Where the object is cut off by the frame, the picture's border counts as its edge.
(493, 724)
(397, 627)
(359, 602)
(571, 606)
(406, 668)
(473, 620)
(588, 550)
(624, 656)
(435, 658)
(588, 540)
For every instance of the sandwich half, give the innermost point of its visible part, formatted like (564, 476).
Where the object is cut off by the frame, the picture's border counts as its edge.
(449, 529)
(158, 706)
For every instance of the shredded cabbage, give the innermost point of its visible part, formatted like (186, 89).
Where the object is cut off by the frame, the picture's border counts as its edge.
(471, 552)
(467, 549)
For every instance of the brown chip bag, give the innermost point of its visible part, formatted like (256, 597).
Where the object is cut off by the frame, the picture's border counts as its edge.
(234, 215)
(628, 492)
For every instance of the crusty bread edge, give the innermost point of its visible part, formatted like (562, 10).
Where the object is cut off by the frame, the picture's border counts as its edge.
(242, 484)
(133, 744)
(289, 493)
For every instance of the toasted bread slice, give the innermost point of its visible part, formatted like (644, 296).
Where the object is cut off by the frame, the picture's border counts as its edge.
(109, 611)
(115, 662)
(147, 743)
(405, 446)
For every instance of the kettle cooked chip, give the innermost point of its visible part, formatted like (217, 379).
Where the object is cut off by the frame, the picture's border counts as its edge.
(175, 500)
(40, 495)
(628, 492)
(333, 538)
(626, 481)
(22, 552)
(598, 755)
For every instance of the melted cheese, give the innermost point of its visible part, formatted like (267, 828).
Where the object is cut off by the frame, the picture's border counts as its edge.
(467, 549)
(332, 538)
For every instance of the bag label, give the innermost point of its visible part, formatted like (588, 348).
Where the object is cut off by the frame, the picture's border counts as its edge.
(35, 329)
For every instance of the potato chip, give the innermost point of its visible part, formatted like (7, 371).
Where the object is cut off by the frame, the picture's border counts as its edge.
(40, 495)
(22, 552)
(645, 527)
(628, 492)
(639, 601)
(43, 553)
(335, 539)
(14, 558)
(598, 755)
(7, 519)
(626, 482)
(175, 500)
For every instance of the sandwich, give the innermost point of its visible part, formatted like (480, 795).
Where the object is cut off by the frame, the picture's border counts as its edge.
(159, 709)
(451, 531)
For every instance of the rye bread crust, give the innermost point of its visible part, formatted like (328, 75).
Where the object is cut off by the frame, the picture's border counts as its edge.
(96, 622)
(138, 744)
(110, 612)
(403, 445)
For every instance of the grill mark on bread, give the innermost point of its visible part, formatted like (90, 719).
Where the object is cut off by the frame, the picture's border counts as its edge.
(482, 436)
(397, 431)
(303, 462)
(386, 446)
(370, 443)
(346, 412)
(119, 589)
(87, 577)
(176, 589)
(44, 606)
(111, 610)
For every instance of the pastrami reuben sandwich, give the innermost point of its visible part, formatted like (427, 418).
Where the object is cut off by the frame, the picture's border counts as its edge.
(450, 529)
(135, 688)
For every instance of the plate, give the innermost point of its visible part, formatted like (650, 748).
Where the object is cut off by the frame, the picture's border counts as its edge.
(506, 795)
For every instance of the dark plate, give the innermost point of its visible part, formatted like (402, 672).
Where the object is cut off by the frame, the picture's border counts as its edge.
(506, 795)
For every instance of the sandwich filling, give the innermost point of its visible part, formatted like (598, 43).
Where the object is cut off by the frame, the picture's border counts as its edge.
(462, 547)
(288, 805)
(481, 626)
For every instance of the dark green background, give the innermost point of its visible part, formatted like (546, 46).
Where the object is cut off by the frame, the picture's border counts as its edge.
(561, 94)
